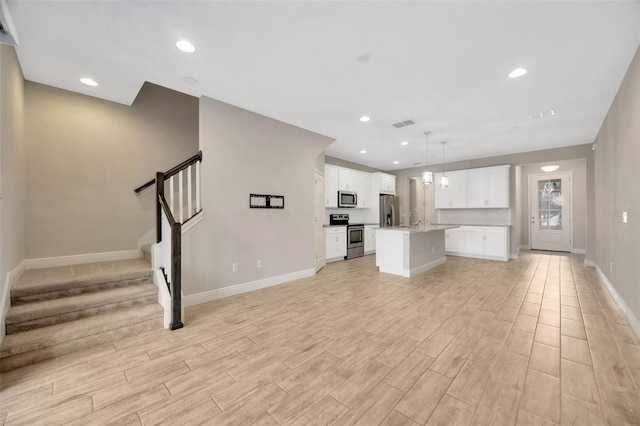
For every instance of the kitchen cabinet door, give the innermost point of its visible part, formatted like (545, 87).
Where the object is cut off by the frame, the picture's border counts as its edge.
(497, 183)
(363, 188)
(369, 240)
(454, 241)
(474, 242)
(330, 186)
(495, 243)
(458, 186)
(347, 179)
(387, 184)
(476, 188)
(336, 244)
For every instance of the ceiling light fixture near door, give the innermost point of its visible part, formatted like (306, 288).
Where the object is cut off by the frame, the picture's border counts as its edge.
(404, 143)
(518, 72)
(365, 118)
(427, 176)
(88, 81)
(186, 46)
(549, 168)
(363, 151)
(396, 162)
(444, 180)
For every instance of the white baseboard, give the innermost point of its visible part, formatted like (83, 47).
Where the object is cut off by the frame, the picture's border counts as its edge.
(219, 293)
(5, 301)
(524, 247)
(423, 268)
(633, 321)
(49, 262)
(578, 251)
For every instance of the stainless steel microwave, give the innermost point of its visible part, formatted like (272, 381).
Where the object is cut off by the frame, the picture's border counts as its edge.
(347, 199)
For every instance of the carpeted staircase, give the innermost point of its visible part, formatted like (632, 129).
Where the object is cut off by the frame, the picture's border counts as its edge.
(56, 311)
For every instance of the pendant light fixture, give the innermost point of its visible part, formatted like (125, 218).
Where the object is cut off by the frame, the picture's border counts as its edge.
(427, 176)
(444, 180)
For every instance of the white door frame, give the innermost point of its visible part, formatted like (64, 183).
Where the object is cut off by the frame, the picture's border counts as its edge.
(318, 240)
(549, 175)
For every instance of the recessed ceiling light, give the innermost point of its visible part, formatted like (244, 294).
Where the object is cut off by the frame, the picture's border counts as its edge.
(549, 168)
(185, 46)
(365, 118)
(88, 81)
(518, 72)
(363, 151)
(404, 143)
(396, 162)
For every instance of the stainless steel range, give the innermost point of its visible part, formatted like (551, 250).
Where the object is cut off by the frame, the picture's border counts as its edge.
(355, 234)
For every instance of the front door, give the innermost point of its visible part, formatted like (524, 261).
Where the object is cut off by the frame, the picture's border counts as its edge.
(550, 211)
(319, 222)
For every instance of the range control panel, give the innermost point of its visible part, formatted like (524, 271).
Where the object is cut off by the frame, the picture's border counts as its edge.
(339, 219)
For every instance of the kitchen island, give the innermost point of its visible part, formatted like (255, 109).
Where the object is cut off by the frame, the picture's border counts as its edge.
(408, 251)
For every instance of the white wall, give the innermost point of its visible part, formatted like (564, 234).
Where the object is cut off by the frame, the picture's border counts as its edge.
(246, 153)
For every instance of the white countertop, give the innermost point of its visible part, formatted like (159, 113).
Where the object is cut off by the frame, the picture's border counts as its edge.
(473, 224)
(418, 229)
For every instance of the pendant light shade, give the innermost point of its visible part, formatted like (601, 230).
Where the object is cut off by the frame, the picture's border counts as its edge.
(427, 176)
(444, 180)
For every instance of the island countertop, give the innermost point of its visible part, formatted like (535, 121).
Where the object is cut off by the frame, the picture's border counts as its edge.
(418, 229)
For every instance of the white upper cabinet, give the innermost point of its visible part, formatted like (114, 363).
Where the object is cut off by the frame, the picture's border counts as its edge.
(330, 186)
(486, 187)
(347, 179)
(363, 189)
(455, 195)
(387, 184)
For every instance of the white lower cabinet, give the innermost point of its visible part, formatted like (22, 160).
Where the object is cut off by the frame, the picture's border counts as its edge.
(484, 242)
(336, 239)
(454, 241)
(370, 238)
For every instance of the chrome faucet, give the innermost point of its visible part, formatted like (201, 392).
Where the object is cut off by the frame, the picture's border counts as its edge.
(416, 223)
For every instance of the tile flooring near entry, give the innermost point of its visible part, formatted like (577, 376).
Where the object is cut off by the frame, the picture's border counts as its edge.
(533, 341)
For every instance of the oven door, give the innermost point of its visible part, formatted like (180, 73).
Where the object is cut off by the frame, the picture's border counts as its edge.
(355, 237)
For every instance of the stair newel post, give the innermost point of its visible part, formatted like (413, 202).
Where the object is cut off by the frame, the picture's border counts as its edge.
(176, 285)
(159, 192)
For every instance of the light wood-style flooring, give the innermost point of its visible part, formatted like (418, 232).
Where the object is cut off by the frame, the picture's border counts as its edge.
(534, 341)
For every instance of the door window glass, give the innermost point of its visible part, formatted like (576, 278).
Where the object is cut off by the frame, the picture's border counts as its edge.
(550, 204)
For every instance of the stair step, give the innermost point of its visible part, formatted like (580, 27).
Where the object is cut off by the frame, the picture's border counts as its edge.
(45, 313)
(37, 345)
(36, 291)
(146, 251)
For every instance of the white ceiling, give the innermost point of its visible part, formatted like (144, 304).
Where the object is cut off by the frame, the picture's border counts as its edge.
(443, 65)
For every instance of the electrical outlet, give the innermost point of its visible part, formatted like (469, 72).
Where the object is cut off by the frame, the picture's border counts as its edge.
(625, 217)
(234, 267)
(610, 266)
(259, 264)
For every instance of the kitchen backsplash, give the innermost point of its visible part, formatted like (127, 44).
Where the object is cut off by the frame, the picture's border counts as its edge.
(475, 216)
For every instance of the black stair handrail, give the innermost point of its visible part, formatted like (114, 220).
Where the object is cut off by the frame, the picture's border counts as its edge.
(175, 285)
(173, 171)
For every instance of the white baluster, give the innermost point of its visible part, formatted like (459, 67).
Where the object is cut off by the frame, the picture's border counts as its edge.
(198, 186)
(180, 196)
(189, 193)
(171, 198)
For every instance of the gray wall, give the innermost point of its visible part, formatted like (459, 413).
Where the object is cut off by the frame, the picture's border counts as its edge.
(578, 169)
(617, 189)
(524, 158)
(84, 158)
(246, 153)
(12, 169)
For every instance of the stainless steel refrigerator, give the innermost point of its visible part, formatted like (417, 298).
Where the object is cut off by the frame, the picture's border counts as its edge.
(389, 210)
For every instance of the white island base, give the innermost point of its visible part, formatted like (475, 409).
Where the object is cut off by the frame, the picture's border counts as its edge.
(410, 251)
